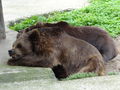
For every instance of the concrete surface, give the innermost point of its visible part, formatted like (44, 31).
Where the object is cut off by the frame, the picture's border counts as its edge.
(23, 78)
(6, 44)
(19, 8)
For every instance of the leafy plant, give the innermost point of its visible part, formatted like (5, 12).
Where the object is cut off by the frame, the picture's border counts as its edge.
(100, 13)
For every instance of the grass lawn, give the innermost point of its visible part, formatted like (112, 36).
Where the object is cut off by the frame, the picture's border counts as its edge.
(101, 13)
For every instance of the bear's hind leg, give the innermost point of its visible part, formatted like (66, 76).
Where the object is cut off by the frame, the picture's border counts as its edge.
(94, 65)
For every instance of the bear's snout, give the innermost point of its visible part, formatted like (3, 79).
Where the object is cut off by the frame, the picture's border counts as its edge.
(11, 52)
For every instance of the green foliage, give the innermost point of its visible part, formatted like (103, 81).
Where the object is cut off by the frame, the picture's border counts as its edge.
(85, 75)
(101, 13)
(80, 75)
(99, 1)
(113, 73)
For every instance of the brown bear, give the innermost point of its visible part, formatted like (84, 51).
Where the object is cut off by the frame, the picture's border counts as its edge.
(52, 47)
(93, 35)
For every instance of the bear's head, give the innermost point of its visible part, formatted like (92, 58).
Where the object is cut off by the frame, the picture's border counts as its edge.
(35, 48)
(20, 47)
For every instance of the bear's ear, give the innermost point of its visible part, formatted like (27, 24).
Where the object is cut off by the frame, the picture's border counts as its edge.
(19, 33)
(33, 35)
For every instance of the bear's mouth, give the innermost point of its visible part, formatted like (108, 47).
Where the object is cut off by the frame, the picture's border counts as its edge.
(17, 57)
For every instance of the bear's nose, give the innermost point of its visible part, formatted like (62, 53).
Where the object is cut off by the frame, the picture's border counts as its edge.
(11, 52)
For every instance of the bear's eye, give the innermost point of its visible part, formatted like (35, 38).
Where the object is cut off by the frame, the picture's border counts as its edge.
(19, 46)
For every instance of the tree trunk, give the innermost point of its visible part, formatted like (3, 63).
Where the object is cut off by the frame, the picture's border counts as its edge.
(2, 28)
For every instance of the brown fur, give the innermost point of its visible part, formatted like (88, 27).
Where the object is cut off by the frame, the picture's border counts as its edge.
(54, 48)
(93, 35)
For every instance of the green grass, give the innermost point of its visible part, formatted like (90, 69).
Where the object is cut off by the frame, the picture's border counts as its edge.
(85, 75)
(101, 13)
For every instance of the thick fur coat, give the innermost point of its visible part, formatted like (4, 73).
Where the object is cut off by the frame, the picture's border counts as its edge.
(93, 35)
(52, 47)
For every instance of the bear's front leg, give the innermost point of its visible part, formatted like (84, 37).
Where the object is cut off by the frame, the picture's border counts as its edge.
(59, 72)
(12, 62)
